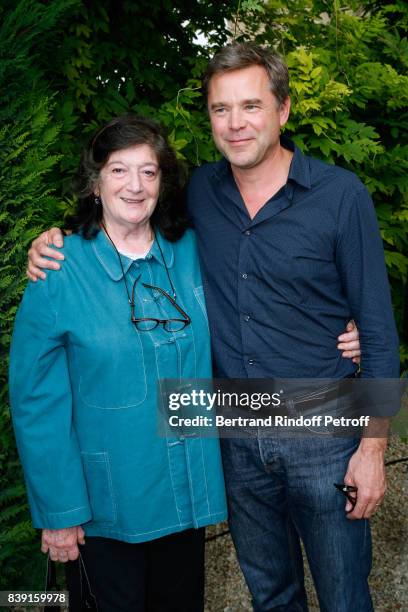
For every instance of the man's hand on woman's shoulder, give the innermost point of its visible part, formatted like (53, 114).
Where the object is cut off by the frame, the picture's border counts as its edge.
(40, 249)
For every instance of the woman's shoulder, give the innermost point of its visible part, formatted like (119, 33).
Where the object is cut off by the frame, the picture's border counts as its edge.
(186, 258)
(74, 250)
(185, 245)
(187, 241)
(74, 243)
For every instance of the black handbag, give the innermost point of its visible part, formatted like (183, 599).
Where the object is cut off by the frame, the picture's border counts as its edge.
(81, 598)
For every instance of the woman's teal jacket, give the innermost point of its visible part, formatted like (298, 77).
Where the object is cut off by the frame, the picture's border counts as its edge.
(83, 385)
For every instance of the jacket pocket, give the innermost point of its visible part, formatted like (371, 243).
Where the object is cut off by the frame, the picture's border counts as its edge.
(112, 372)
(99, 485)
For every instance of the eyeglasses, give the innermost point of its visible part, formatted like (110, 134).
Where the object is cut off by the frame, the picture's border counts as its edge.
(150, 323)
(347, 490)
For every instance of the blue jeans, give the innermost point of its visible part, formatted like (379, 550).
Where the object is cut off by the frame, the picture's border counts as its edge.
(280, 491)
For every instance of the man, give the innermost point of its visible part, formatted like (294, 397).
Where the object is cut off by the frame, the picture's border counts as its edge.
(290, 252)
(295, 252)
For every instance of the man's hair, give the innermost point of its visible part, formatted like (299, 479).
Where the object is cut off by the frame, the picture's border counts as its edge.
(243, 55)
(123, 132)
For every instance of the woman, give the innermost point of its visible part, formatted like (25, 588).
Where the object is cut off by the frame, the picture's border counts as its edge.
(89, 346)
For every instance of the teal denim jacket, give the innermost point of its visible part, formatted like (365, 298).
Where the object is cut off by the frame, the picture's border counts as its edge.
(83, 387)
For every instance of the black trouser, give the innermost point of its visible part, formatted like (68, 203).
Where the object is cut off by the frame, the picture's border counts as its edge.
(164, 575)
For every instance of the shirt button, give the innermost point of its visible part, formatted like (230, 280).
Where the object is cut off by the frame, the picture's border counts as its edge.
(247, 233)
(247, 318)
(251, 361)
(245, 276)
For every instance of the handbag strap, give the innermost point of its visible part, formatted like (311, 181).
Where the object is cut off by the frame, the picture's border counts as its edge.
(51, 583)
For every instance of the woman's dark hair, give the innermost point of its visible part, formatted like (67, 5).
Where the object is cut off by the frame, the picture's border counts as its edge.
(169, 216)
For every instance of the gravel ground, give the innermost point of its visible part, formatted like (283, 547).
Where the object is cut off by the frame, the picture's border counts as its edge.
(225, 587)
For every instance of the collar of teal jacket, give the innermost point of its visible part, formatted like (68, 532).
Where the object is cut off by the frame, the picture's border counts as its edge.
(108, 258)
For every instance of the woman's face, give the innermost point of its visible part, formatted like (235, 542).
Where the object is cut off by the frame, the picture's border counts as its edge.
(129, 186)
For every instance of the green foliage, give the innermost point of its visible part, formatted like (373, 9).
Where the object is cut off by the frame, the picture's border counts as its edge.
(28, 139)
(112, 60)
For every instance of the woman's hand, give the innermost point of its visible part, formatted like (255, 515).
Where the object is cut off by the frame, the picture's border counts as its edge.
(40, 249)
(62, 544)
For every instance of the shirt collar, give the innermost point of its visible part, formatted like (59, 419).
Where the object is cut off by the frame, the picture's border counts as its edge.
(299, 171)
(109, 260)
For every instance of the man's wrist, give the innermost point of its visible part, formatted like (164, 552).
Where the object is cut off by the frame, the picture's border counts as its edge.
(372, 446)
(375, 434)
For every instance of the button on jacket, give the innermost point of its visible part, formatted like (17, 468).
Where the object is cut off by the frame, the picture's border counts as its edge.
(281, 287)
(83, 385)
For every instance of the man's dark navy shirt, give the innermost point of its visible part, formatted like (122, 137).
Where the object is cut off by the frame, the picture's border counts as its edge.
(281, 287)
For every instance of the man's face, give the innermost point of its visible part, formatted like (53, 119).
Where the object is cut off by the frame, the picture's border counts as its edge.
(245, 116)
